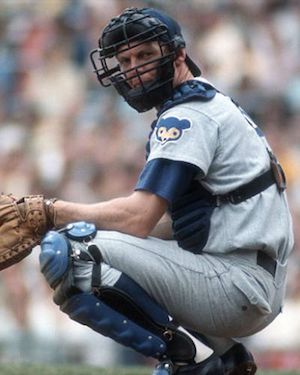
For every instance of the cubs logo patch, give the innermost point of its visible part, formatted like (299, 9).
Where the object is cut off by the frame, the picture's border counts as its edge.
(171, 129)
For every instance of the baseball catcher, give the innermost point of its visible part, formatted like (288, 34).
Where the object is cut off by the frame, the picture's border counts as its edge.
(197, 255)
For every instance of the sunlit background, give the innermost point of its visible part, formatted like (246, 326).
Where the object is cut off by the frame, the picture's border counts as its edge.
(64, 136)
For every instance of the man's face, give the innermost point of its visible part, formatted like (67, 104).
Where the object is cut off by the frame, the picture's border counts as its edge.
(142, 54)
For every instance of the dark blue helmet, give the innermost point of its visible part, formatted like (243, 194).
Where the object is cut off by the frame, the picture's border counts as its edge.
(129, 29)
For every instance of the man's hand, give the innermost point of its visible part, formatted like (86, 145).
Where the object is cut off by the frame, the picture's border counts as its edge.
(23, 223)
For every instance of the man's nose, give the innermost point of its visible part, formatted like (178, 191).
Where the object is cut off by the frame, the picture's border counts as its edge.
(134, 72)
(134, 65)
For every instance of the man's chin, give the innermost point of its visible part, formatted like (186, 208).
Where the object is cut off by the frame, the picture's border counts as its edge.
(144, 86)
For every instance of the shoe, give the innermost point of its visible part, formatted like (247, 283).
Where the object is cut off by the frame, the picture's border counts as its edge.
(210, 366)
(213, 365)
(238, 361)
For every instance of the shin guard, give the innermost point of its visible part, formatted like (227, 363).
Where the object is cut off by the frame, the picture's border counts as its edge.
(88, 310)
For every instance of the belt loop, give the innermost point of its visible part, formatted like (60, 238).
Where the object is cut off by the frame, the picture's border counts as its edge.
(218, 200)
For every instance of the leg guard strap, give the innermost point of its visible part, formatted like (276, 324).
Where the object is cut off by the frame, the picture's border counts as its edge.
(88, 310)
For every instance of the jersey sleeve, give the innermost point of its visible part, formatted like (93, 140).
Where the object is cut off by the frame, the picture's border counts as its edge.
(185, 134)
(166, 178)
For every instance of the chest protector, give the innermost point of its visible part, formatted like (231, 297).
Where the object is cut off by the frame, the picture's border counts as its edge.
(191, 213)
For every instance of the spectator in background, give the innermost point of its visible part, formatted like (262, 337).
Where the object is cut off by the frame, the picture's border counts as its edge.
(258, 63)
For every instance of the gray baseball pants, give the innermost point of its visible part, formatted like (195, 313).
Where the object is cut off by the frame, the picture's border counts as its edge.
(218, 295)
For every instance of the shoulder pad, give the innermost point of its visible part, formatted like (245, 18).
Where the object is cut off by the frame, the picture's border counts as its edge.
(189, 91)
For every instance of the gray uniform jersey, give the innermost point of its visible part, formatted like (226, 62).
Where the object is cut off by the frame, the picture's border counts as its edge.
(216, 137)
(232, 293)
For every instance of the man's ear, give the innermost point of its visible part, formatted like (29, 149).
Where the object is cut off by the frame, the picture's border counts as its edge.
(180, 57)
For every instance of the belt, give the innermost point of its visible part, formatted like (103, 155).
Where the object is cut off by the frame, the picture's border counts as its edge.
(265, 261)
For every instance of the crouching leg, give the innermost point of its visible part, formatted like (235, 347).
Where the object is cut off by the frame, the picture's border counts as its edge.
(122, 311)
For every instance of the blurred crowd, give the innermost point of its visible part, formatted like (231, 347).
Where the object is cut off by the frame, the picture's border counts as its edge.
(64, 136)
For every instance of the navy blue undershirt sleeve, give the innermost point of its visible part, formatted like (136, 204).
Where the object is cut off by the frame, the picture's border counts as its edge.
(166, 178)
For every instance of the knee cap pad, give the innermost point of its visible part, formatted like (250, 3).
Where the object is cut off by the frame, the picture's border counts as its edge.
(56, 249)
(54, 257)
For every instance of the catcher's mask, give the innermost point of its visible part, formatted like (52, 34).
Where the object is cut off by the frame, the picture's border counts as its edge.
(128, 30)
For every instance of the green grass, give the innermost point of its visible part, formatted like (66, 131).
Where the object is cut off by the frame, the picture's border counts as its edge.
(36, 369)
(26, 369)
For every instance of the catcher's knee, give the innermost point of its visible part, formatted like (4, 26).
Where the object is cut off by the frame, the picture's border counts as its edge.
(54, 257)
(57, 259)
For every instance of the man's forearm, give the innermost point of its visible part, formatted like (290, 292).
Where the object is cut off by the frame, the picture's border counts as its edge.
(105, 215)
(67, 212)
(128, 214)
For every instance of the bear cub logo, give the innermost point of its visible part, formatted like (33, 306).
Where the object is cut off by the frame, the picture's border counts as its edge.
(171, 129)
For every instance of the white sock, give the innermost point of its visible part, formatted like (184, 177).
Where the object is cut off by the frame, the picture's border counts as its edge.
(202, 350)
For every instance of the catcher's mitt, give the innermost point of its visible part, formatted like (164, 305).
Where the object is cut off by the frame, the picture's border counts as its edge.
(23, 223)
